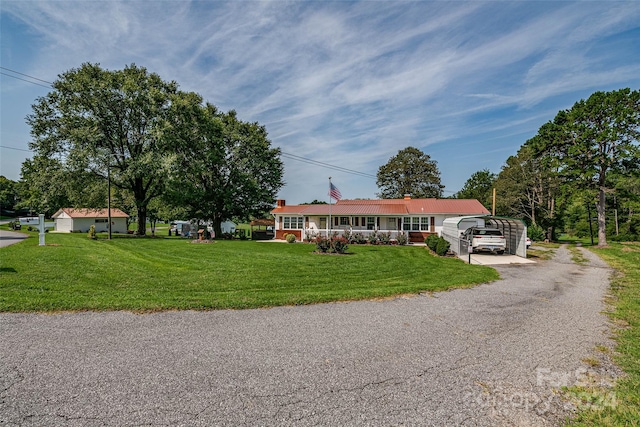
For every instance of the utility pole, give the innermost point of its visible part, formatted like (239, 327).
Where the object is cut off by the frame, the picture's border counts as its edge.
(493, 208)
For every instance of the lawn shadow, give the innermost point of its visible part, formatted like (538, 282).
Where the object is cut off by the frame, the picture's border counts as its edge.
(7, 270)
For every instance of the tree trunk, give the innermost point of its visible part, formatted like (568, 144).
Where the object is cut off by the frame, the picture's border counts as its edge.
(602, 226)
(142, 220)
(217, 228)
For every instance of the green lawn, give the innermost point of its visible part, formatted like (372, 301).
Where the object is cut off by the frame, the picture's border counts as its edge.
(75, 273)
(621, 406)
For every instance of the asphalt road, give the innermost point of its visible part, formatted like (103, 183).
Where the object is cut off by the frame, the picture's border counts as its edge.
(10, 237)
(486, 356)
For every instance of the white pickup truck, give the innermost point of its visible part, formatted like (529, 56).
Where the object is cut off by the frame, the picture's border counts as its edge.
(485, 240)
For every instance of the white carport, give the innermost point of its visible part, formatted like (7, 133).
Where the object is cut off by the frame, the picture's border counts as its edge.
(514, 231)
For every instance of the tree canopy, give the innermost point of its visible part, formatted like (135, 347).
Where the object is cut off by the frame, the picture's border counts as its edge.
(97, 121)
(479, 186)
(592, 142)
(223, 167)
(8, 193)
(409, 172)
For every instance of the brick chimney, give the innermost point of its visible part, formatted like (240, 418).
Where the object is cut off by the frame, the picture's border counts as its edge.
(280, 203)
(407, 196)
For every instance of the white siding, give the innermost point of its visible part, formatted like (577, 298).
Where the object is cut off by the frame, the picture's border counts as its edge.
(63, 224)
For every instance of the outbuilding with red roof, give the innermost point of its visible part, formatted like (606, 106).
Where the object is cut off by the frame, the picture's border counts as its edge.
(81, 219)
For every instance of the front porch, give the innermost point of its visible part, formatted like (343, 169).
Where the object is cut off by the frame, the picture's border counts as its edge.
(309, 234)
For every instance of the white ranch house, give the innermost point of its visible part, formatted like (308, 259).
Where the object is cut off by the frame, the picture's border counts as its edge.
(417, 218)
(80, 220)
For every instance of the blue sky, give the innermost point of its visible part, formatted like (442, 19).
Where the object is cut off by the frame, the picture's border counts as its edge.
(344, 83)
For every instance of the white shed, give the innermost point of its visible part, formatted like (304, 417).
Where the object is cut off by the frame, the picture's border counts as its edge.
(81, 219)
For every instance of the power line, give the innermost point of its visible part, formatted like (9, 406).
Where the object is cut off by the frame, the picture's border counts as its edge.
(326, 165)
(284, 154)
(23, 74)
(17, 149)
(25, 80)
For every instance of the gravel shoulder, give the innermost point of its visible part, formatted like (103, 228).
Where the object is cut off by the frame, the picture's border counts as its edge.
(491, 355)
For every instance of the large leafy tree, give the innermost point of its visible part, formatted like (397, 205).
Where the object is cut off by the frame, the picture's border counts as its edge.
(409, 172)
(8, 193)
(593, 141)
(224, 168)
(97, 121)
(44, 185)
(479, 186)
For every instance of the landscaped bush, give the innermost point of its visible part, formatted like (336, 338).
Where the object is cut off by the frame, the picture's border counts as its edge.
(373, 238)
(290, 238)
(358, 239)
(322, 244)
(437, 244)
(336, 244)
(384, 238)
(442, 247)
(402, 239)
(432, 241)
(339, 245)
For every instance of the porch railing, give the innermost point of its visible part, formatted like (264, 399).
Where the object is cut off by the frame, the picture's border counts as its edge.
(310, 233)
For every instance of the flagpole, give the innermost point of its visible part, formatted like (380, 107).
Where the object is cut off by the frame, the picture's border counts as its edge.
(330, 222)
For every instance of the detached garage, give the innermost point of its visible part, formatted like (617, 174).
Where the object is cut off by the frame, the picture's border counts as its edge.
(81, 219)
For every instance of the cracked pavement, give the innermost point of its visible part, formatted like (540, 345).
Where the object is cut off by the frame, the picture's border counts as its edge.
(486, 356)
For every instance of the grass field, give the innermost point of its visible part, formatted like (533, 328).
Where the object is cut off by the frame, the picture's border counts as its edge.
(620, 407)
(75, 273)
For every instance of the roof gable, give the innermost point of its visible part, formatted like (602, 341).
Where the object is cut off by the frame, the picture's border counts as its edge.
(90, 213)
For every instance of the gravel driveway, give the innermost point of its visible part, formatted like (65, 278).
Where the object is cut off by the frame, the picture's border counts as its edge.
(486, 356)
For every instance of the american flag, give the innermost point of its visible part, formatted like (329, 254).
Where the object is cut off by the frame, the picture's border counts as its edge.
(334, 192)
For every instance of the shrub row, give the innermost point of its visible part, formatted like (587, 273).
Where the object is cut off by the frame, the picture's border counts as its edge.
(374, 238)
(437, 244)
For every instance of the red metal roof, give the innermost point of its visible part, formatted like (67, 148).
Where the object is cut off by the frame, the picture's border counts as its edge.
(90, 213)
(389, 207)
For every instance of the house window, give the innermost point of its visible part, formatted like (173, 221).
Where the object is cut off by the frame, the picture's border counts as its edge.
(323, 223)
(101, 220)
(357, 224)
(406, 223)
(415, 224)
(424, 223)
(371, 223)
(391, 223)
(344, 220)
(293, 223)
